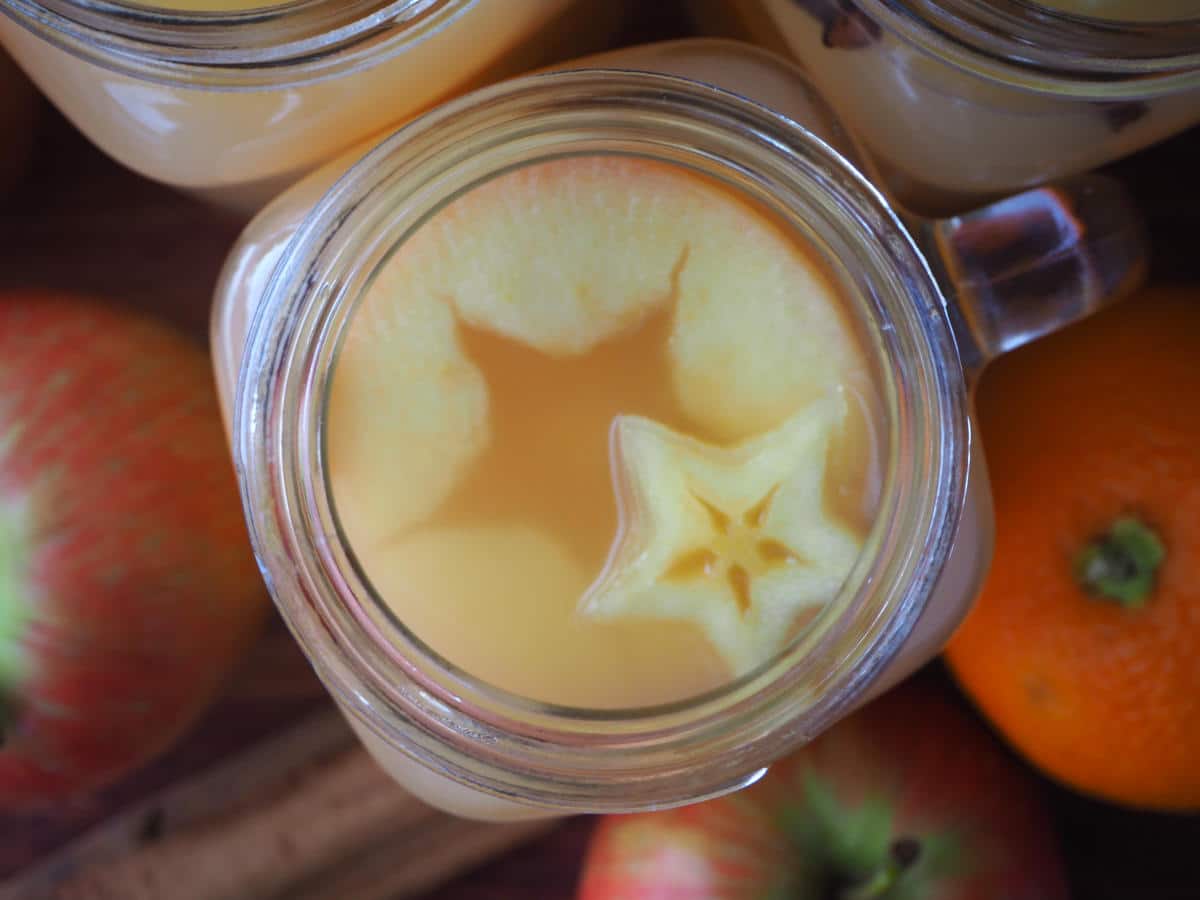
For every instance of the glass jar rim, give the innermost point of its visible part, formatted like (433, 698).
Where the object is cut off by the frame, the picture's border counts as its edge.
(1046, 50)
(286, 44)
(556, 757)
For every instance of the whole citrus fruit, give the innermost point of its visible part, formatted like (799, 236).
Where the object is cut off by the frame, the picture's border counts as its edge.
(1084, 648)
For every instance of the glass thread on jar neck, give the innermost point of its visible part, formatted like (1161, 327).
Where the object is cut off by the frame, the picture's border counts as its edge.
(507, 745)
(284, 44)
(1049, 50)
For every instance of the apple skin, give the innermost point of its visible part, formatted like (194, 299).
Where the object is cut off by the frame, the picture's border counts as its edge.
(128, 589)
(911, 765)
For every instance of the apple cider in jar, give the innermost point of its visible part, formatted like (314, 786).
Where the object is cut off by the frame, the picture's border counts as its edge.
(234, 100)
(601, 433)
(957, 102)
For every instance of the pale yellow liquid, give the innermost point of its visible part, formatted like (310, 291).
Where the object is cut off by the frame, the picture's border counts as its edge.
(942, 139)
(240, 148)
(493, 578)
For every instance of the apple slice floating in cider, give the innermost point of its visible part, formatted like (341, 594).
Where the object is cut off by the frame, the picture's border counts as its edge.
(418, 405)
(757, 330)
(735, 539)
(502, 596)
(566, 254)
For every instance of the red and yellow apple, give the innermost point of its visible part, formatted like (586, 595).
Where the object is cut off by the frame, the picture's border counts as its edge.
(127, 586)
(907, 799)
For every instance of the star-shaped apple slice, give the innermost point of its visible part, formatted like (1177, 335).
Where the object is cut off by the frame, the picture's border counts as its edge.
(736, 539)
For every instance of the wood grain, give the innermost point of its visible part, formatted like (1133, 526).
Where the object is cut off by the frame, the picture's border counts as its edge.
(305, 816)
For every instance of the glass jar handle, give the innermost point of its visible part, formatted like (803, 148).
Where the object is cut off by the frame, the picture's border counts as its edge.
(1035, 262)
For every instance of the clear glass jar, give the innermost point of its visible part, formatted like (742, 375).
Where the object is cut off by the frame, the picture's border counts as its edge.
(957, 101)
(18, 117)
(293, 282)
(238, 105)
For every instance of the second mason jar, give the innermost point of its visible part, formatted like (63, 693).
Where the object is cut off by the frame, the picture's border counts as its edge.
(236, 100)
(432, 358)
(957, 101)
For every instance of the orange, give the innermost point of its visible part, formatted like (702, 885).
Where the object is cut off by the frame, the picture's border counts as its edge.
(1084, 648)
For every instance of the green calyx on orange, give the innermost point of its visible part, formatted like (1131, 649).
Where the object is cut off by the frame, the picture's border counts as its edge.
(1084, 646)
(1122, 563)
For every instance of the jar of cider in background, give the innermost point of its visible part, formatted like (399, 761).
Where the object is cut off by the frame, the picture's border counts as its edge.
(235, 99)
(410, 346)
(960, 100)
(18, 116)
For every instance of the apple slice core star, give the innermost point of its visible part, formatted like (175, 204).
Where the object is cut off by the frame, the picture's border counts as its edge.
(735, 539)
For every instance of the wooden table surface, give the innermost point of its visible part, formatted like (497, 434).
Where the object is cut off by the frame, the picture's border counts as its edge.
(80, 222)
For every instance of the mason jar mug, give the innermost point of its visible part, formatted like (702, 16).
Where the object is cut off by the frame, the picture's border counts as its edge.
(957, 101)
(235, 100)
(932, 301)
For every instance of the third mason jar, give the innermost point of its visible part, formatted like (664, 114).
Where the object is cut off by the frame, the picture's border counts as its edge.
(957, 101)
(604, 435)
